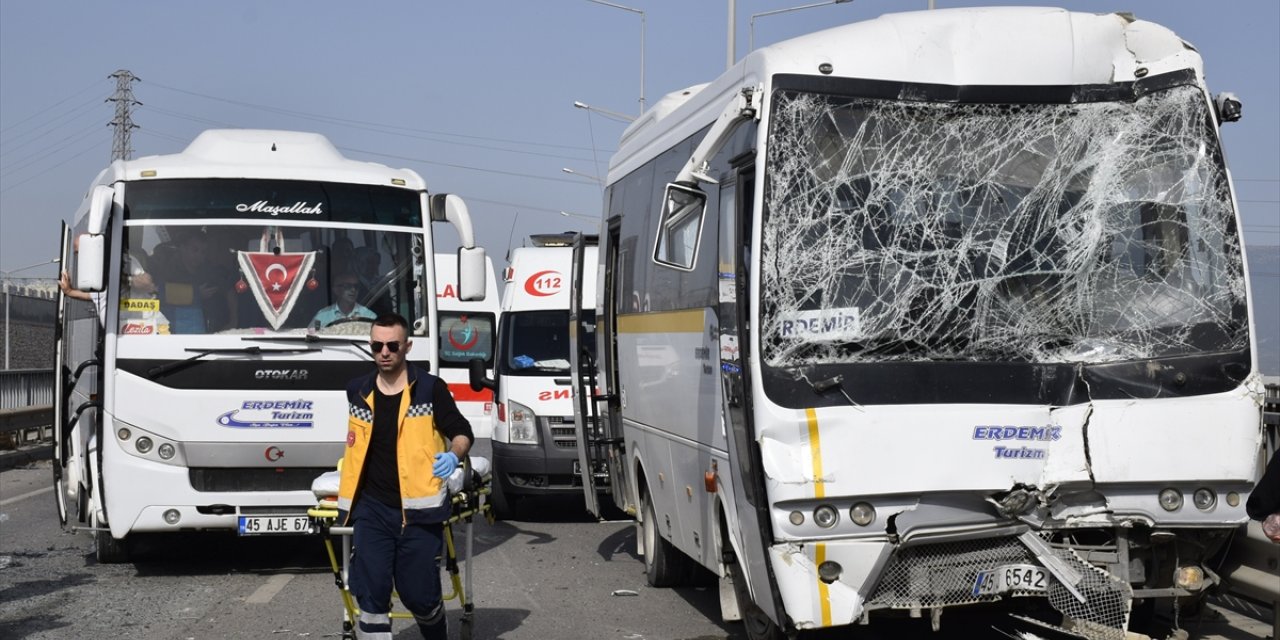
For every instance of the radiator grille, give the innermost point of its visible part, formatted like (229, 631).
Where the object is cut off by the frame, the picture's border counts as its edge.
(943, 574)
(211, 479)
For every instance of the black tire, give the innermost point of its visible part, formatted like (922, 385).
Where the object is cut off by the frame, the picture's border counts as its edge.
(664, 565)
(110, 550)
(498, 501)
(755, 623)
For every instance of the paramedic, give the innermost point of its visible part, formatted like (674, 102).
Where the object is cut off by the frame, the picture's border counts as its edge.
(404, 437)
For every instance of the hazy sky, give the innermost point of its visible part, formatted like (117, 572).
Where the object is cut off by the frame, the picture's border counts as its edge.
(475, 96)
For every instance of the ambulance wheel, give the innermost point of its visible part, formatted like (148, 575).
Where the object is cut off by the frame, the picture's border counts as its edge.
(110, 550)
(498, 501)
(754, 621)
(664, 565)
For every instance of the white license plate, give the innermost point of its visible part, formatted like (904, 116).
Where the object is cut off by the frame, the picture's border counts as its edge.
(270, 525)
(1011, 577)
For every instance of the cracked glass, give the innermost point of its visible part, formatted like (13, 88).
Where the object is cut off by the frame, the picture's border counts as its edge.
(1047, 233)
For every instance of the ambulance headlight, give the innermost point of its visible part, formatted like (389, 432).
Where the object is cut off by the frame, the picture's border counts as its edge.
(522, 424)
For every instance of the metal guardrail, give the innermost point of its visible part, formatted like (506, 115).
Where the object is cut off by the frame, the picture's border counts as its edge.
(26, 425)
(25, 388)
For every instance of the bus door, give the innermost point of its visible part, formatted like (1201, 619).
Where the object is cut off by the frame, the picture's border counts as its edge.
(748, 516)
(61, 390)
(596, 410)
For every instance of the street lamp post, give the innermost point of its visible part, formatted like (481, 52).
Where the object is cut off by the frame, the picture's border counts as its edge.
(604, 112)
(642, 25)
(751, 33)
(595, 179)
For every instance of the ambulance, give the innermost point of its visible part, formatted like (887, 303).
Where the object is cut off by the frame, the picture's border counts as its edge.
(534, 439)
(466, 333)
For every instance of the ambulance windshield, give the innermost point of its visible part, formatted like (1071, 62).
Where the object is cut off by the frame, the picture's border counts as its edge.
(917, 231)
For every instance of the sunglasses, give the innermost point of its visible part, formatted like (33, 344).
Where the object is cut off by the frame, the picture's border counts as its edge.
(393, 347)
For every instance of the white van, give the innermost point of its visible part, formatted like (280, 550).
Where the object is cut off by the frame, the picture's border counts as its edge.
(466, 333)
(534, 442)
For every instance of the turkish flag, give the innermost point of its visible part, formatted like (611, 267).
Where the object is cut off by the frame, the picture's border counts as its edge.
(276, 280)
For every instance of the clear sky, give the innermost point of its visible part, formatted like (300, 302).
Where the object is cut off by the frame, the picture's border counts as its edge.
(475, 96)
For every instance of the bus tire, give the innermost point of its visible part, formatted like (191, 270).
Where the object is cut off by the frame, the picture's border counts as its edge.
(755, 623)
(110, 550)
(664, 565)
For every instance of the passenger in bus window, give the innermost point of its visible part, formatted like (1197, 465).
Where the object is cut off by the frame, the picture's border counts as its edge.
(189, 285)
(346, 288)
(400, 451)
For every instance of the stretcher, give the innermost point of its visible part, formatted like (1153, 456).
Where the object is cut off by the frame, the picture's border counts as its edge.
(469, 488)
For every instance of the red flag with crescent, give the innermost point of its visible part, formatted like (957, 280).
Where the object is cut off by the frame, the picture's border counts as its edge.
(276, 280)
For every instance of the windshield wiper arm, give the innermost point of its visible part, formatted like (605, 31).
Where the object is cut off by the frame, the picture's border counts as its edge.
(311, 338)
(200, 353)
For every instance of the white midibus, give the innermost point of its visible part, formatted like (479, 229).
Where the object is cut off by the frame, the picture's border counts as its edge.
(535, 450)
(234, 285)
(938, 309)
(467, 332)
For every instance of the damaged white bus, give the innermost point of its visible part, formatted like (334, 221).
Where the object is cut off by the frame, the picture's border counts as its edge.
(234, 284)
(939, 309)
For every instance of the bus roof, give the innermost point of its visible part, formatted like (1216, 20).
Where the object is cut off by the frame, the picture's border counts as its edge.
(260, 153)
(1004, 46)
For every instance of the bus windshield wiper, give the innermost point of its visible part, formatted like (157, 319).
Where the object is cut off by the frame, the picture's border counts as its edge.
(157, 370)
(311, 338)
(836, 382)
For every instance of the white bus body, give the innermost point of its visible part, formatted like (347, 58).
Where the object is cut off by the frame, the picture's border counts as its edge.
(210, 391)
(943, 308)
(467, 330)
(534, 444)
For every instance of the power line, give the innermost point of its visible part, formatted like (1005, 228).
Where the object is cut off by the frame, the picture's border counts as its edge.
(37, 175)
(46, 110)
(379, 127)
(53, 150)
(463, 166)
(50, 127)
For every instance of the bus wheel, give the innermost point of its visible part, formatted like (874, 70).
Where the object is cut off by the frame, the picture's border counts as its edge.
(754, 621)
(664, 565)
(108, 549)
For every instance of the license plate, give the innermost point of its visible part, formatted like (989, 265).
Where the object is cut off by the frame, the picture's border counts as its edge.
(269, 525)
(1011, 577)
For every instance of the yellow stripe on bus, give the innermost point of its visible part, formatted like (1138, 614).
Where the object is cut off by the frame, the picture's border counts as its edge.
(824, 592)
(683, 321)
(815, 450)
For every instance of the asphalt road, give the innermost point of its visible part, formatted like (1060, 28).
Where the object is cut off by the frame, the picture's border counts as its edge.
(552, 575)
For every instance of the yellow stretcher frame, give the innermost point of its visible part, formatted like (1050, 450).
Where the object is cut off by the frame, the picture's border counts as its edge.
(471, 501)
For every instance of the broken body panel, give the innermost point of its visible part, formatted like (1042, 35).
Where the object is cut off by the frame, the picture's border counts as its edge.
(949, 318)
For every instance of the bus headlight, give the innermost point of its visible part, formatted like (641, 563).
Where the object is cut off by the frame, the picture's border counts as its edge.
(1204, 498)
(826, 516)
(143, 444)
(1171, 499)
(123, 433)
(862, 514)
(165, 450)
(523, 424)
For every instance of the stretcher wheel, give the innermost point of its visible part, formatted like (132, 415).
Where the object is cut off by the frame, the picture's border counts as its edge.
(466, 629)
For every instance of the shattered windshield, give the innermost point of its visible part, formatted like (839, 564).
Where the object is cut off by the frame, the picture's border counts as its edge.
(1046, 233)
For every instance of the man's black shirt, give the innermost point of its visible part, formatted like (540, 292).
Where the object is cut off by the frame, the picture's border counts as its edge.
(381, 469)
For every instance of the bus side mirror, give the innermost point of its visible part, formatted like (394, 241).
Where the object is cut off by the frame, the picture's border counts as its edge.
(478, 379)
(471, 274)
(90, 256)
(1228, 107)
(100, 208)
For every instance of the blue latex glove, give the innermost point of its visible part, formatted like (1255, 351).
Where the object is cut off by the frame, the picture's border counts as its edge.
(445, 464)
